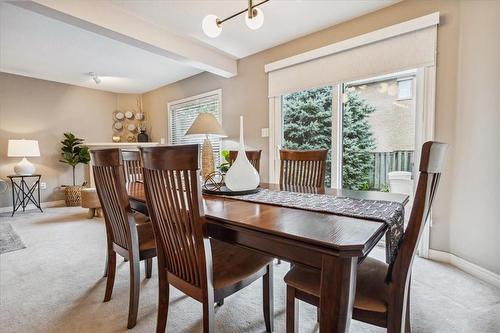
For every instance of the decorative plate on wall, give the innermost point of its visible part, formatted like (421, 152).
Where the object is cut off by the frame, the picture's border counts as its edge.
(129, 114)
(139, 116)
(117, 126)
(131, 127)
(119, 115)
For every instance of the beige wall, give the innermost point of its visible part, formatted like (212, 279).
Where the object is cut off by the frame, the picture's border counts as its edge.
(44, 110)
(246, 94)
(474, 216)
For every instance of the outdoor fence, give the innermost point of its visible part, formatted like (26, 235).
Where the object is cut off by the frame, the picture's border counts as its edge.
(385, 162)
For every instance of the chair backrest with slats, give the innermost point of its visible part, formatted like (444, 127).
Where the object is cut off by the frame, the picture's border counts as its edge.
(431, 166)
(303, 167)
(132, 165)
(110, 184)
(252, 155)
(173, 193)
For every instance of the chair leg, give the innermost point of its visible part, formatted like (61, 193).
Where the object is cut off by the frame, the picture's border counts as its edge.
(292, 311)
(317, 314)
(110, 273)
(91, 213)
(208, 314)
(134, 292)
(220, 303)
(395, 318)
(268, 298)
(407, 320)
(163, 300)
(106, 266)
(278, 261)
(148, 265)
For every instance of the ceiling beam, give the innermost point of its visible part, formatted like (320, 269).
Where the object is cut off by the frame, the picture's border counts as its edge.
(104, 19)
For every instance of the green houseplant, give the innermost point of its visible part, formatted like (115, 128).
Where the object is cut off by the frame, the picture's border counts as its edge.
(225, 165)
(72, 153)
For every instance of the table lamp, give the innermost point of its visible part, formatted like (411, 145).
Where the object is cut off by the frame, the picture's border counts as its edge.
(23, 148)
(206, 124)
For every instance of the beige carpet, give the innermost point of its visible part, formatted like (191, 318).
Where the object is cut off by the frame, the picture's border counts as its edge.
(55, 284)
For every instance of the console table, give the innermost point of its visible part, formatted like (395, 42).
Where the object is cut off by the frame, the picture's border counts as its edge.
(24, 193)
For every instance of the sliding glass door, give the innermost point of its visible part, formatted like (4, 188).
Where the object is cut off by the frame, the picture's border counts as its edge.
(307, 122)
(378, 133)
(376, 127)
(368, 126)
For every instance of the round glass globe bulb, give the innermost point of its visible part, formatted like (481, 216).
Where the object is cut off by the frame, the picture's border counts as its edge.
(256, 21)
(210, 26)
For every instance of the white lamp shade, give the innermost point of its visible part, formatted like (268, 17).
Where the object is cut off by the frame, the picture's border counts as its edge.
(206, 124)
(210, 26)
(256, 21)
(23, 148)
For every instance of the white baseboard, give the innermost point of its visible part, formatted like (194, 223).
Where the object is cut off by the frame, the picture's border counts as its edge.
(466, 266)
(48, 204)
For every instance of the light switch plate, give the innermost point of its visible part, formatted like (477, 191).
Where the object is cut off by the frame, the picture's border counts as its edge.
(264, 132)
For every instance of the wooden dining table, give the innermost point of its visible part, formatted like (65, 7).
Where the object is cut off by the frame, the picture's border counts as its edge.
(330, 243)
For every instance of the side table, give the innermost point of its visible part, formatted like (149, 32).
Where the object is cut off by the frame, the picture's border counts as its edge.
(24, 193)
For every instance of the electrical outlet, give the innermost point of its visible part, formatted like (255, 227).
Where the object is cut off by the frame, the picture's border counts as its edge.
(264, 132)
(43, 186)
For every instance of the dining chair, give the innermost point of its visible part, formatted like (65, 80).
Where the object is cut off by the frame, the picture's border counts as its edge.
(127, 232)
(382, 296)
(205, 269)
(252, 155)
(132, 165)
(303, 167)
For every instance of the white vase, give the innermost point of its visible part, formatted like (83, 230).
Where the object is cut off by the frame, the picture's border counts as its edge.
(242, 176)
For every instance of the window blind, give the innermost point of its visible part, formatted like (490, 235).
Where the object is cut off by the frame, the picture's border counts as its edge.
(183, 114)
(410, 50)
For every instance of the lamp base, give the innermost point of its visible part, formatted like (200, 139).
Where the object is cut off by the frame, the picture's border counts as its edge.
(24, 168)
(207, 158)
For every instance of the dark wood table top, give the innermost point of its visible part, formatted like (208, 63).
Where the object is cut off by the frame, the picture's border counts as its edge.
(352, 236)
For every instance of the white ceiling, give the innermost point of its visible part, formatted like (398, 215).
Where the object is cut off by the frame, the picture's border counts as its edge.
(41, 47)
(284, 20)
(35, 45)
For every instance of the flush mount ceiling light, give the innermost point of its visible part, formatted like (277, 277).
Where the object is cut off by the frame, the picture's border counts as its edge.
(96, 78)
(254, 19)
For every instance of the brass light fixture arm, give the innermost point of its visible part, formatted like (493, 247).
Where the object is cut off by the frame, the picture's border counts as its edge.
(249, 10)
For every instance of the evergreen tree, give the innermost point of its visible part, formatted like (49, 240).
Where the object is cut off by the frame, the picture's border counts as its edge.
(358, 142)
(307, 119)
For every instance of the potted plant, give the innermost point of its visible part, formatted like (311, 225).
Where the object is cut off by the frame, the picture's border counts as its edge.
(73, 153)
(224, 166)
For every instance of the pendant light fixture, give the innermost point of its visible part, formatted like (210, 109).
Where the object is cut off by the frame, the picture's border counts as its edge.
(254, 19)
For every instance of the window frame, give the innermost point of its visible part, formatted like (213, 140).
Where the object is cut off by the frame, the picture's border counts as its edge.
(170, 105)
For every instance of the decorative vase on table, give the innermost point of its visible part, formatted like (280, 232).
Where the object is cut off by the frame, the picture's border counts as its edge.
(242, 176)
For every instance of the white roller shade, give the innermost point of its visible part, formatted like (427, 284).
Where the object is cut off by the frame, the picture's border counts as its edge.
(358, 58)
